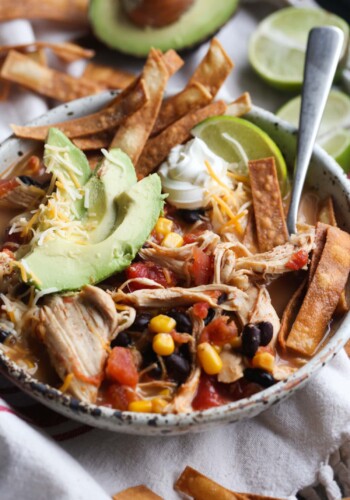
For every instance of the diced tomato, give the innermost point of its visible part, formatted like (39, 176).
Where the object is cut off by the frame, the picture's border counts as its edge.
(151, 271)
(210, 393)
(190, 238)
(202, 267)
(119, 396)
(7, 185)
(200, 309)
(218, 332)
(9, 253)
(121, 367)
(180, 338)
(298, 260)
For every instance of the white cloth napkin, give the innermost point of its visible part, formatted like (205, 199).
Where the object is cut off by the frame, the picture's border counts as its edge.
(296, 443)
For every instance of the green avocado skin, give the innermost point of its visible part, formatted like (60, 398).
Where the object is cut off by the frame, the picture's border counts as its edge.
(64, 265)
(204, 18)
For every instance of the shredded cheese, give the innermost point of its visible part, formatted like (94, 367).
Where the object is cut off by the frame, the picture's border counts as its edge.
(67, 382)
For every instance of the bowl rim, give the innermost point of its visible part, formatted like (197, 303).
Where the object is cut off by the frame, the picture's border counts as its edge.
(63, 402)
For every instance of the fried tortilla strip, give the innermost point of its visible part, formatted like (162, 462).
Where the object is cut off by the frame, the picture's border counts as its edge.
(213, 70)
(4, 87)
(173, 62)
(320, 241)
(95, 141)
(267, 201)
(38, 56)
(250, 239)
(67, 51)
(323, 294)
(347, 348)
(157, 148)
(193, 97)
(121, 108)
(200, 487)
(132, 135)
(111, 78)
(70, 11)
(289, 315)
(240, 106)
(21, 69)
(137, 493)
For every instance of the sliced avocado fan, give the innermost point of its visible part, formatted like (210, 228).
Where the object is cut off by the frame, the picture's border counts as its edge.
(117, 215)
(202, 20)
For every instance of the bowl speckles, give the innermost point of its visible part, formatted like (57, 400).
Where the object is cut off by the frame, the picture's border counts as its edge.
(324, 175)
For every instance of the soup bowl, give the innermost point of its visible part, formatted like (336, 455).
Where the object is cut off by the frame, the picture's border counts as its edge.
(324, 176)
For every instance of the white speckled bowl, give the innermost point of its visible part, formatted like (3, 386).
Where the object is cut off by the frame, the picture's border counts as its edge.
(324, 175)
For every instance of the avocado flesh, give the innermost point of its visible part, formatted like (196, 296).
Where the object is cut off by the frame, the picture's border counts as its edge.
(111, 25)
(111, 177)
(56, 162)
(64, 265)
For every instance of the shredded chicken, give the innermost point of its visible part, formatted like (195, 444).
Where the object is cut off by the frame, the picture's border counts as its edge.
(76, 331)
(232, 366)
(22, 196)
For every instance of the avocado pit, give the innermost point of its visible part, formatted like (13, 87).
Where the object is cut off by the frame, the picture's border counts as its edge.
(155, 13)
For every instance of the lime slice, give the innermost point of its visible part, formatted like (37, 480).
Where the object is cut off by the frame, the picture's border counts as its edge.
(277, 47)
(238, 141)
(334, 133)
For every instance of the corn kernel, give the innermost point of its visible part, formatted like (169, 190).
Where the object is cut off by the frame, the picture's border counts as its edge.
(161, 324)
(163, 226)
(209, 359)
(264, 360)
(141, 406)
(165, 392)
(158, 405)
(163, 344)
(173, 240)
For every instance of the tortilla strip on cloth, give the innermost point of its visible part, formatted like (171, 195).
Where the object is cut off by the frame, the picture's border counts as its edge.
(66, 51)
(22, 70)
(69, 11)
(121, 107)
(267, 201)
(323, 294)
(111, 78)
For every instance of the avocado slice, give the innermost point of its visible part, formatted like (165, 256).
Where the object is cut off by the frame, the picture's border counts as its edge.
(62, 265)
(111, 177)
(112, 26)
(70, 165)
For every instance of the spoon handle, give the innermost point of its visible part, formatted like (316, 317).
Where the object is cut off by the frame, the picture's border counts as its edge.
(322, 56)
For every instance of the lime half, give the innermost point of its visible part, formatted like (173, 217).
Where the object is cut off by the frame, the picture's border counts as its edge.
(277, 48)
(238, 141)
(334, 133)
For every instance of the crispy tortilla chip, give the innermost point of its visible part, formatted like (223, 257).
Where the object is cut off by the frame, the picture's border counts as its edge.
(111, 78)
(122, 106)
(132, 135)
(172, 61)
(193, 97)
(95, 141)
(21, 69)
(320, 241)
(240, 106)
(157, 149)
(4, 87)
(137, 493)
(69, 11)
(267, 201)
(38, 56)
(213, 70)
(327, 284)
(250, 239)
(289, 315)
(67, 51)
(347, 348)
(200, 487)
(326, 213)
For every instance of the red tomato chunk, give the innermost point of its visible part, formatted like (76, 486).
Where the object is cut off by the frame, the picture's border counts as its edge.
(202, 268)
(7, 185)
(121, 367)
(298, 260)
(200, 309)
(119, 396)
(219, 332)
(151, 271)
(208, 394)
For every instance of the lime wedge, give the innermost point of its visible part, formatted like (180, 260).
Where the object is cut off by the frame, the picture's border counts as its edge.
(237, 141)
(334, 133)
(277, 47)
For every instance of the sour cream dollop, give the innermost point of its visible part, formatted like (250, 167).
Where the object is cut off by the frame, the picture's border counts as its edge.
(185, 177)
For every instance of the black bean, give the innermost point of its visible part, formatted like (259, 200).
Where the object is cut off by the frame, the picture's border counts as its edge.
(141, 322)
(149, 357)
(3, 335)
(28, 181)
(190, 216)
(210, 316)
(250, 340)
(222, 298)
(266, 332)
(178, 367)
(260, 377)
(122, 340)
(183, 322)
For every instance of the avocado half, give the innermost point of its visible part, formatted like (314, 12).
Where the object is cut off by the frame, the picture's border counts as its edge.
(204, 18)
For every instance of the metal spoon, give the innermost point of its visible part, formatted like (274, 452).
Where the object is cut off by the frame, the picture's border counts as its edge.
(323, 51)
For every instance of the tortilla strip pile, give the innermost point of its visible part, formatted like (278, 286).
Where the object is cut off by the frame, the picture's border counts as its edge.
(136, 493)
(267, 201)
(110, 78)
(21, 69)
(69, 11)
(328, 279)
